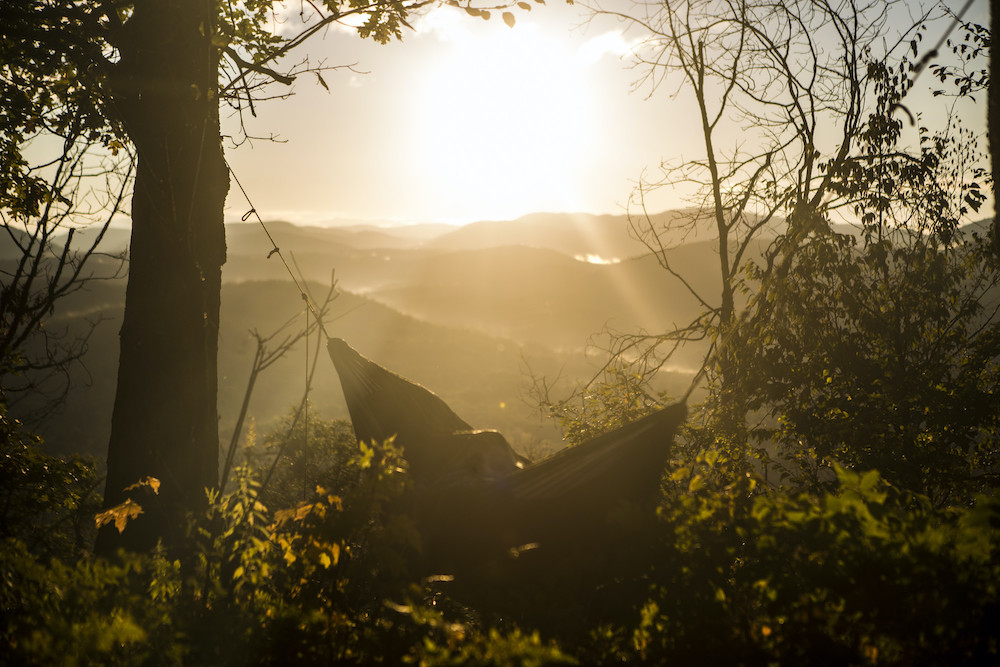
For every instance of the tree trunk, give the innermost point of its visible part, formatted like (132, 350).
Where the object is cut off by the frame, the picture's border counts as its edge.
(165, 422)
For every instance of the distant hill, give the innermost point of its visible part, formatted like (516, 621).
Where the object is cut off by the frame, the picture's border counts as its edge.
(530, 295)
(980, 227)
(575, 235)
(246, 236)
(537, 296)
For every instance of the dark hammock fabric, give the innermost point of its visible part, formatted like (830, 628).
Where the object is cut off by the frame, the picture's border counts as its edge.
(437, 443)
(474, 497)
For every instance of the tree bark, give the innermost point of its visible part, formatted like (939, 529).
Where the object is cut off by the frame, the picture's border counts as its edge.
(165, 422)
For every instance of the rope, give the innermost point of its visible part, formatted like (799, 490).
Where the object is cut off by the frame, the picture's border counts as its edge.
(275, 250)
(303, 410)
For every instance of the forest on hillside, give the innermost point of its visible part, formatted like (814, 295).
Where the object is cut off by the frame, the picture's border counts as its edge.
(780, 442)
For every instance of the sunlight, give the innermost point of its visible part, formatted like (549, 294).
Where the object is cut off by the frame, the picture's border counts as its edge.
(596, 259)
(506, 118)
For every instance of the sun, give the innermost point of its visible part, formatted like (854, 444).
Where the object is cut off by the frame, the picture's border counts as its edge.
(504, 121)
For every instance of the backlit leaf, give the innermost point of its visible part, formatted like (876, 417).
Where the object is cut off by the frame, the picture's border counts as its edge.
(119, 514)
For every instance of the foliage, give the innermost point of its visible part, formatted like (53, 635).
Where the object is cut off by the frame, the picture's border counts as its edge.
(305, 453)
(64, 614)
(327, 579)
(881, 357)
(49, 91)
(864, 574)
(879, 351)
(620, 398)
(60, 171)
(493, 649)
(732, 571)
(47, 502)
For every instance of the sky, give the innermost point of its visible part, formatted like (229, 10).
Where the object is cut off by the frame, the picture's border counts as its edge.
(465, 120)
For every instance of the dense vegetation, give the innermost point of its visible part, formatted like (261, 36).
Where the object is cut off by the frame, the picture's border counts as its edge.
(319, 566)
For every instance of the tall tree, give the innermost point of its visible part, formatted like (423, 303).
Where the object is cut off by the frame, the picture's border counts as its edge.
(165, 423)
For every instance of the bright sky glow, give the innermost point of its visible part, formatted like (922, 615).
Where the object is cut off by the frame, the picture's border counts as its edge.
(505, 119)
(465, 120)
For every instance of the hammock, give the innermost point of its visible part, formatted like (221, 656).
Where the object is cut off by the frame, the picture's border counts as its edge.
(474, 497)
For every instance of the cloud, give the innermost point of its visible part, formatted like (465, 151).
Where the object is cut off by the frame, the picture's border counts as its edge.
(444, 23)
(610, 43)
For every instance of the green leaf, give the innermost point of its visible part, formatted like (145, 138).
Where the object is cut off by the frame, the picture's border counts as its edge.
(697, 482)
(868, 482)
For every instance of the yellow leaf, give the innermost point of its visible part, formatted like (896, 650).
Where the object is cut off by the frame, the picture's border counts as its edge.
(680, 473)
(335, 552)
(324, 559)
(147, 481)
(508, 18)
(119, 514)
(303, 511)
